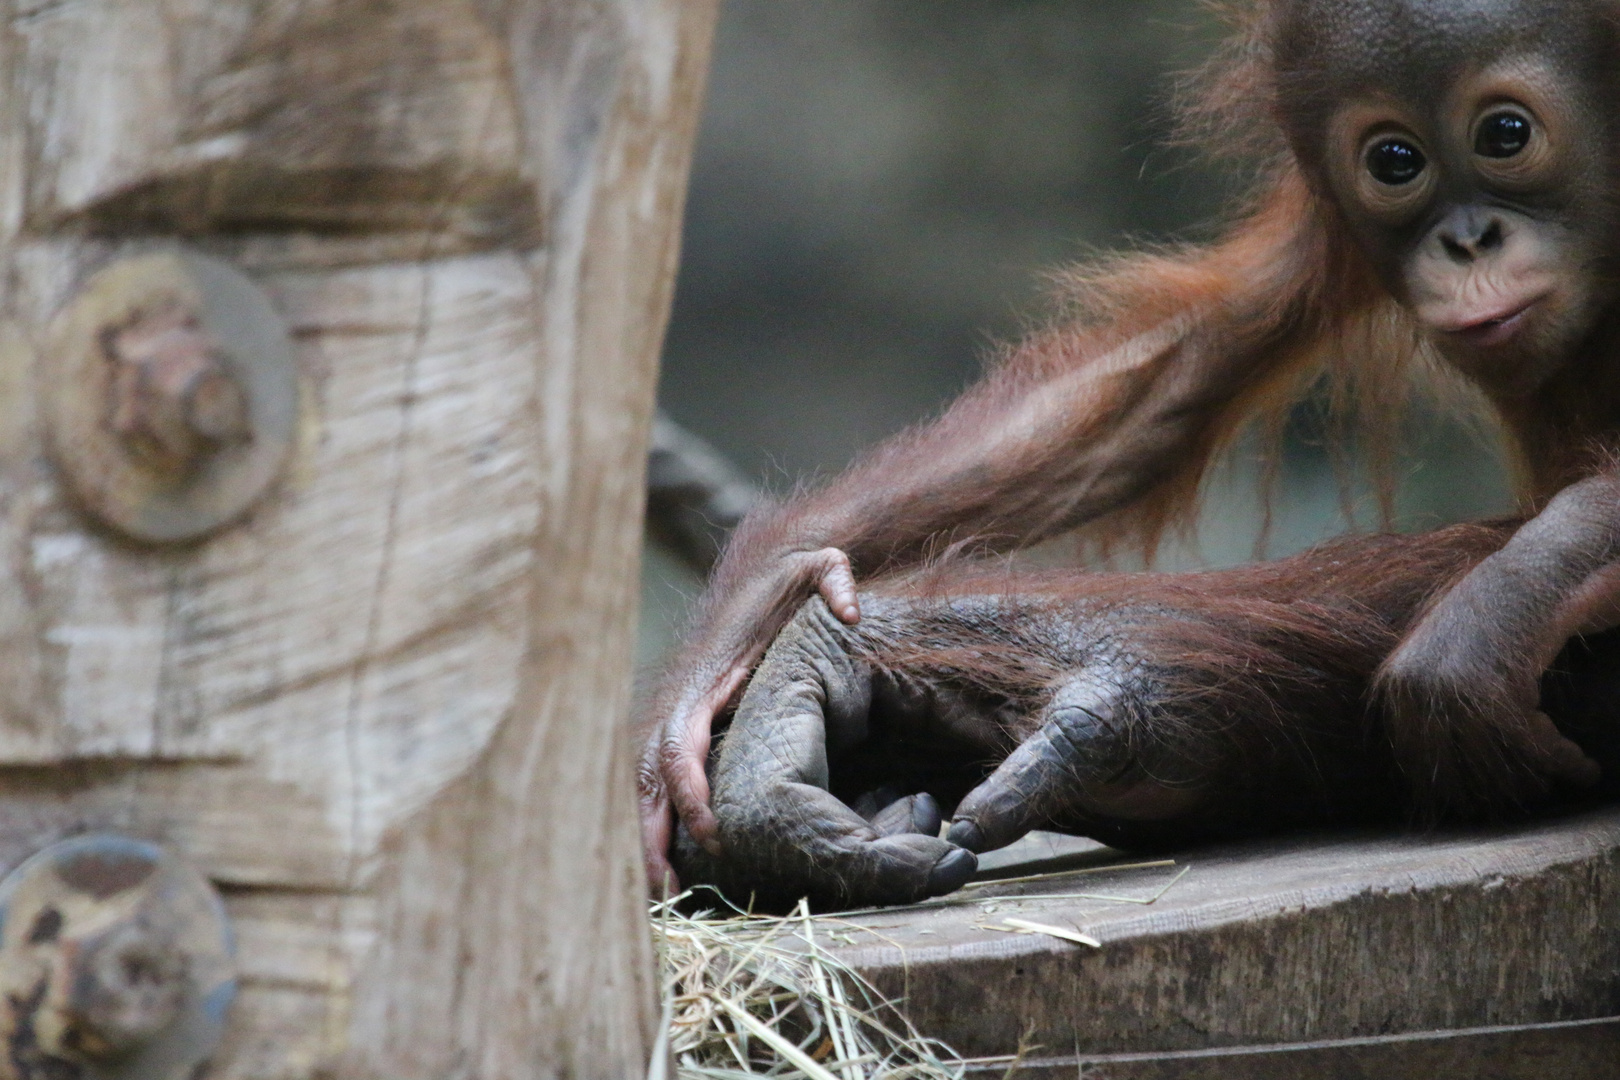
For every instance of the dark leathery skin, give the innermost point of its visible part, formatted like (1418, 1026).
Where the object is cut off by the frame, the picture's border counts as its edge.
(815, 700)
(783, 832)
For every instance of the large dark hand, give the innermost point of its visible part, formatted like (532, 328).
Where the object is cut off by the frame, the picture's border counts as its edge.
(782, 833)
(743, 616)
(823, 732)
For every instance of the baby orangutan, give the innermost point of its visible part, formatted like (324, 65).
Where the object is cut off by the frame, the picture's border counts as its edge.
(1138, 709)
(1436, 193)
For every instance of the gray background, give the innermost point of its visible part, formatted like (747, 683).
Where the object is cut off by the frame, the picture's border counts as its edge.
(880, 186)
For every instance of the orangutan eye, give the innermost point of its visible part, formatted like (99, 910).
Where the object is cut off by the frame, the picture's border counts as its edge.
(1395, 162)
(1502, 135)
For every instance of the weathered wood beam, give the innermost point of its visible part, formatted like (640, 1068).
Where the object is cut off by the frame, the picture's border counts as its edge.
(382, 709)
(1275, 942)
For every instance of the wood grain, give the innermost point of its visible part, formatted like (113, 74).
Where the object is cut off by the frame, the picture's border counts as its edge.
(385, 712)
(1574, 1050)
(1295, 940)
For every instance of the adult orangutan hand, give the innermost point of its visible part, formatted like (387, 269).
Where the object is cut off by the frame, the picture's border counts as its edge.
(830, 779)
(745, 608)
(783, 834)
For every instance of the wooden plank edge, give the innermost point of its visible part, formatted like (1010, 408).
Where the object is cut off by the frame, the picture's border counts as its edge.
(1570, 1050)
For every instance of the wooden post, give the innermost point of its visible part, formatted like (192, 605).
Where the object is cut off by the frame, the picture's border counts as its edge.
(381, 707)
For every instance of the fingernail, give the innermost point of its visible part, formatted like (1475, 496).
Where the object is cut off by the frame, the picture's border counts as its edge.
(952, 871)
(712, 846)
(965, 834)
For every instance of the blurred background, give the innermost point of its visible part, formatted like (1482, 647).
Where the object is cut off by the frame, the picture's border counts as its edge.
(879, 190)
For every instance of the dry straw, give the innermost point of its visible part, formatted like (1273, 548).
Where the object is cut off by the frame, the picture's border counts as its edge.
(746, 996)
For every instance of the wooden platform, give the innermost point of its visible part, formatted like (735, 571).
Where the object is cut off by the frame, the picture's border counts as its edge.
(1578, 1050)
(1350, 948)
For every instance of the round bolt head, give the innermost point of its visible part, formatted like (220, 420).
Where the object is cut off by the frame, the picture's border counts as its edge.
(116, 963)
(129, 987)
(171, 395)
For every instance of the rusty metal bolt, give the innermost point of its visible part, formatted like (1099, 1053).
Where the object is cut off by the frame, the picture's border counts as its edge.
(115, 963)
(171, 395)
(173, 400)
(122, 988)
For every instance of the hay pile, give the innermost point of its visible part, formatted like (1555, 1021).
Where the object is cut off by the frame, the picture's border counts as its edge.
(746, 996)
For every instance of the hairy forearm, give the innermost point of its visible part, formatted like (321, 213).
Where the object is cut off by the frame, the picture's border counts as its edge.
(1019, 458)
(1114, 416)
(1552, 580)
(1111, 417)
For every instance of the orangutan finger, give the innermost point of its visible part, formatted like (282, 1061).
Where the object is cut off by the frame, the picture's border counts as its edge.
(835, 581)
(1074, 755)
(918, 813)
(802, 840)
(1009, 803)
(684, 752)
(656, 831)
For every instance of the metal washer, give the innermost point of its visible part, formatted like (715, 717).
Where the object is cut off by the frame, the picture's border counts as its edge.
(77, 888)
(115, 486)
